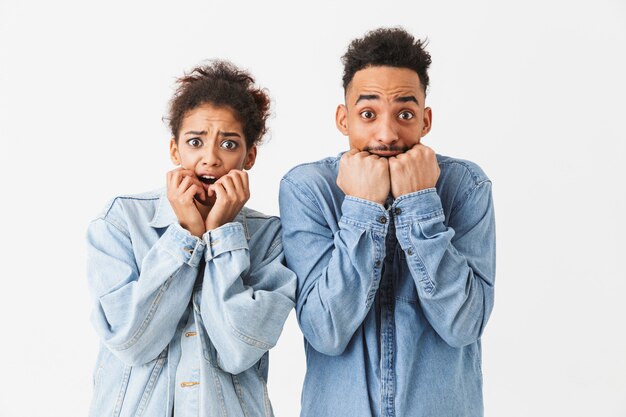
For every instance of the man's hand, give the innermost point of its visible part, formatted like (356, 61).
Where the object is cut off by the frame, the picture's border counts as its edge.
(364, 175)
(231, 193)
(413, 170)
(182, 187)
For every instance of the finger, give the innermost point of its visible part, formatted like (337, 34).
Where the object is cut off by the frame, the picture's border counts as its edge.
(190, 193)
(184, 184)
(196, 181)
(245, 182)
(173, 180)
(244, 186)
(210, 192)
(229, 186)
(176, 177)
(168, 179)
(218, 191)
(187, 172)
(238, 183)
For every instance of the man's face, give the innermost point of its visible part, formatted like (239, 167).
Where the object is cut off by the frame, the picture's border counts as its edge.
(384, 112)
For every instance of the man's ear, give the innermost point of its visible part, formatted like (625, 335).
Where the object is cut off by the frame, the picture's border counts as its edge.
(174, 155)
(341, 119)
(250, 158)
(428, 121)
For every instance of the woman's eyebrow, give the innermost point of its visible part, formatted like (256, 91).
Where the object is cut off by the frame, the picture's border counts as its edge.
(204, 132)
(229, 134)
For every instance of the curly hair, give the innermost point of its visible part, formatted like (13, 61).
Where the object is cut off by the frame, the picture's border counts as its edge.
(392, 47)
(222, 84)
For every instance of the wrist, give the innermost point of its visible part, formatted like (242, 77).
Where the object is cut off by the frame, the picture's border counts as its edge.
(194, 230)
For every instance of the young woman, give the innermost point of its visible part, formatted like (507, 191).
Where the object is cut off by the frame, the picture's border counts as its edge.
(189, 286)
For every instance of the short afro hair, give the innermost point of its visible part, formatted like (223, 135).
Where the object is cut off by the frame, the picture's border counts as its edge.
(390, 47)
(222, 84)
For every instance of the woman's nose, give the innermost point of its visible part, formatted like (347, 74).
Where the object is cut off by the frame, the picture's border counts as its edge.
(211, 157)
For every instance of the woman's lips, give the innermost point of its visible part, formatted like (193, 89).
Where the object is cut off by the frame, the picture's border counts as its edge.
(207, 179)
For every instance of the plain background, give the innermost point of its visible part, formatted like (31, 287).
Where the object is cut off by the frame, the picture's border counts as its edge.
(533, 91)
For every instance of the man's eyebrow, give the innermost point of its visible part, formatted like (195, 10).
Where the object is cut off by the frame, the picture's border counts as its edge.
(403, 99)
(406, 99)
(196, 132)
(366, 97)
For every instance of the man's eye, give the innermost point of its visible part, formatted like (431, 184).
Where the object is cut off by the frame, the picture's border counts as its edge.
(406, 115)
(194, 142)
(367, 114)
(229, 144)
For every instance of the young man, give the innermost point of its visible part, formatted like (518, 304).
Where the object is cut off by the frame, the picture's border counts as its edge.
(394, 248)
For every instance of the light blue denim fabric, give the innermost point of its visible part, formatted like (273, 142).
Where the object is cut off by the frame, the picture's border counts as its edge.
(185, 323)
(392, 302)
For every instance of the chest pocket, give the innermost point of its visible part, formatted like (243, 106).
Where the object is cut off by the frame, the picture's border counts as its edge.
(404, 285)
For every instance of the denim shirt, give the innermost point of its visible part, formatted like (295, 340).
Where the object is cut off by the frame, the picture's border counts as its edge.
(185, 323)
(392, 301)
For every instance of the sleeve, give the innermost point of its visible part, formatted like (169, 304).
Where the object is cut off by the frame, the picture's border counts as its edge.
(453, 266)
(338, 272)
(244, 309)
(136, 313)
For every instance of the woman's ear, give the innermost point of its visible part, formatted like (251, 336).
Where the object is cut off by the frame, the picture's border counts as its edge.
(250, 158)
(174, 155)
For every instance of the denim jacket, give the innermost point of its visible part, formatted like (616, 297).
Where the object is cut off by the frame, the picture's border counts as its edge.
(185, 323)
(392, 300)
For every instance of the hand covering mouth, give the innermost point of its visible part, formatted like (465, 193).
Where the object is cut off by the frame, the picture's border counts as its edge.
(207, 179)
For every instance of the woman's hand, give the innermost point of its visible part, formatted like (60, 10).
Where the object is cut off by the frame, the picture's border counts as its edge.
(231, 193)
(182, 187)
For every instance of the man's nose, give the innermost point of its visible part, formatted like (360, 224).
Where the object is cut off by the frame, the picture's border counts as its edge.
(387, 132)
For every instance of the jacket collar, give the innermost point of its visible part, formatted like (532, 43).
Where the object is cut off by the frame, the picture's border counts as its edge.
(165, 216)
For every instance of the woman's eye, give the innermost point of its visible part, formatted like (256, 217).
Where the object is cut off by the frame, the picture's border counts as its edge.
(194, 142)
(406, 115)
(229, 144)
(367, 114)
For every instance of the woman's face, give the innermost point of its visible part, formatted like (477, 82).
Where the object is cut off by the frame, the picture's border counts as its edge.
(211, 143)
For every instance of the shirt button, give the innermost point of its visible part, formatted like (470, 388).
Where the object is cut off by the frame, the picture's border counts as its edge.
(377, 263)
(410, 251)
(398, 211)
(382, 219)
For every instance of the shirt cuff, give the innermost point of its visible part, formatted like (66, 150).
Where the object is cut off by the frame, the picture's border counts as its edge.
(364, 213)
(226, 238)
(181, 244)
(423, 205)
